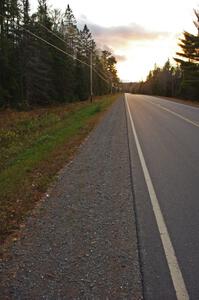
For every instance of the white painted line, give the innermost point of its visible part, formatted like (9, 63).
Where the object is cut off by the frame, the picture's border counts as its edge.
(176, 275)
(174, 113)
(177, 103)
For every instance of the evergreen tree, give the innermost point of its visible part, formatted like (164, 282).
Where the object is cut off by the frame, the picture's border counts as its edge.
(39, 72)
(24, 41)
(70, 30)
(190, 62)
(33, 72)
(85, 48)
(4, 93)
(9, 41)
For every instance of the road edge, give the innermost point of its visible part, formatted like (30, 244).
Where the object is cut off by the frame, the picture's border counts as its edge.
(134, 201)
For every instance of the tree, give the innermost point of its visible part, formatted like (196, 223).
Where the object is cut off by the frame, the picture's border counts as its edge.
(33, 72)
(109, 66)
(39, 72)
(190, 62)
(161, 81)
(9, 41)
(85, 48)
(70, 30)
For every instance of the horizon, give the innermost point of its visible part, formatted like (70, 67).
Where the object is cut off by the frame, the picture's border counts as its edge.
(138, 38)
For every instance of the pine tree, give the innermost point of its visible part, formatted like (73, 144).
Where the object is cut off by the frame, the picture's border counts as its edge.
(39, 72)
(70, 30)
(3, 55)
(85, 48)
(24, 41)
(70, 34)
(35, 73)
(9, 41)
(190, 62)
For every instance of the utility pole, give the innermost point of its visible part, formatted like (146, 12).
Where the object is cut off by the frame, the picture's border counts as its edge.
(91, 77)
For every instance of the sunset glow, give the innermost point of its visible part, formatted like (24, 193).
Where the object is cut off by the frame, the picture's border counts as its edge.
(139, 34)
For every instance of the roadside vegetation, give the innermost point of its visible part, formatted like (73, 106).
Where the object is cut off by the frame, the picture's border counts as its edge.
(45, 58)
(181, 80)
(35, 145)
(46, 63)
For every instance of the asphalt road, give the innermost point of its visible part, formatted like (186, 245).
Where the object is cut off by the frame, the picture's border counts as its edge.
(168, 138)
(123, 217)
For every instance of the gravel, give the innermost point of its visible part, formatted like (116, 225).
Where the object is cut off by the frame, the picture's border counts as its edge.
(81, 243)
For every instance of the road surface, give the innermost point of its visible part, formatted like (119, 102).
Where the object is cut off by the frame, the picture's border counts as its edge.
(122, 220)
(164, 145)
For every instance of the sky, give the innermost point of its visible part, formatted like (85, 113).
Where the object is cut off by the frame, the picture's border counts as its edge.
(139, 33)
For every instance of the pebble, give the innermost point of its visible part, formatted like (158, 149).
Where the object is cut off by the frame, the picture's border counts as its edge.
(85, 239)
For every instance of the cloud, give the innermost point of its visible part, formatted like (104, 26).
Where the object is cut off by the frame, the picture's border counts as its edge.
(120, 58)
(120, 36)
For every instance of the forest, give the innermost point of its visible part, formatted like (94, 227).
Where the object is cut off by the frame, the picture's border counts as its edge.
(181, 80)
(46, 59)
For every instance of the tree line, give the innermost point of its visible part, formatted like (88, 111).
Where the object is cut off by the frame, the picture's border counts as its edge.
(181, 80)
(45, 58)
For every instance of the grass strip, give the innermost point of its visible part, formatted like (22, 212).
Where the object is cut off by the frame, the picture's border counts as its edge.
(35, 147)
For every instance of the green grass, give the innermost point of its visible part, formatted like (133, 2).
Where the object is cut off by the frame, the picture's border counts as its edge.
(34, 146)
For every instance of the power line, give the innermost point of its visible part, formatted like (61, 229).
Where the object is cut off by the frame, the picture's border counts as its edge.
(94, 69)
(56, 35)
(57, 48)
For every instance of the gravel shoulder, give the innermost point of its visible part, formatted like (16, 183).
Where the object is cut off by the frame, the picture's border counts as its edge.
(82, 242)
